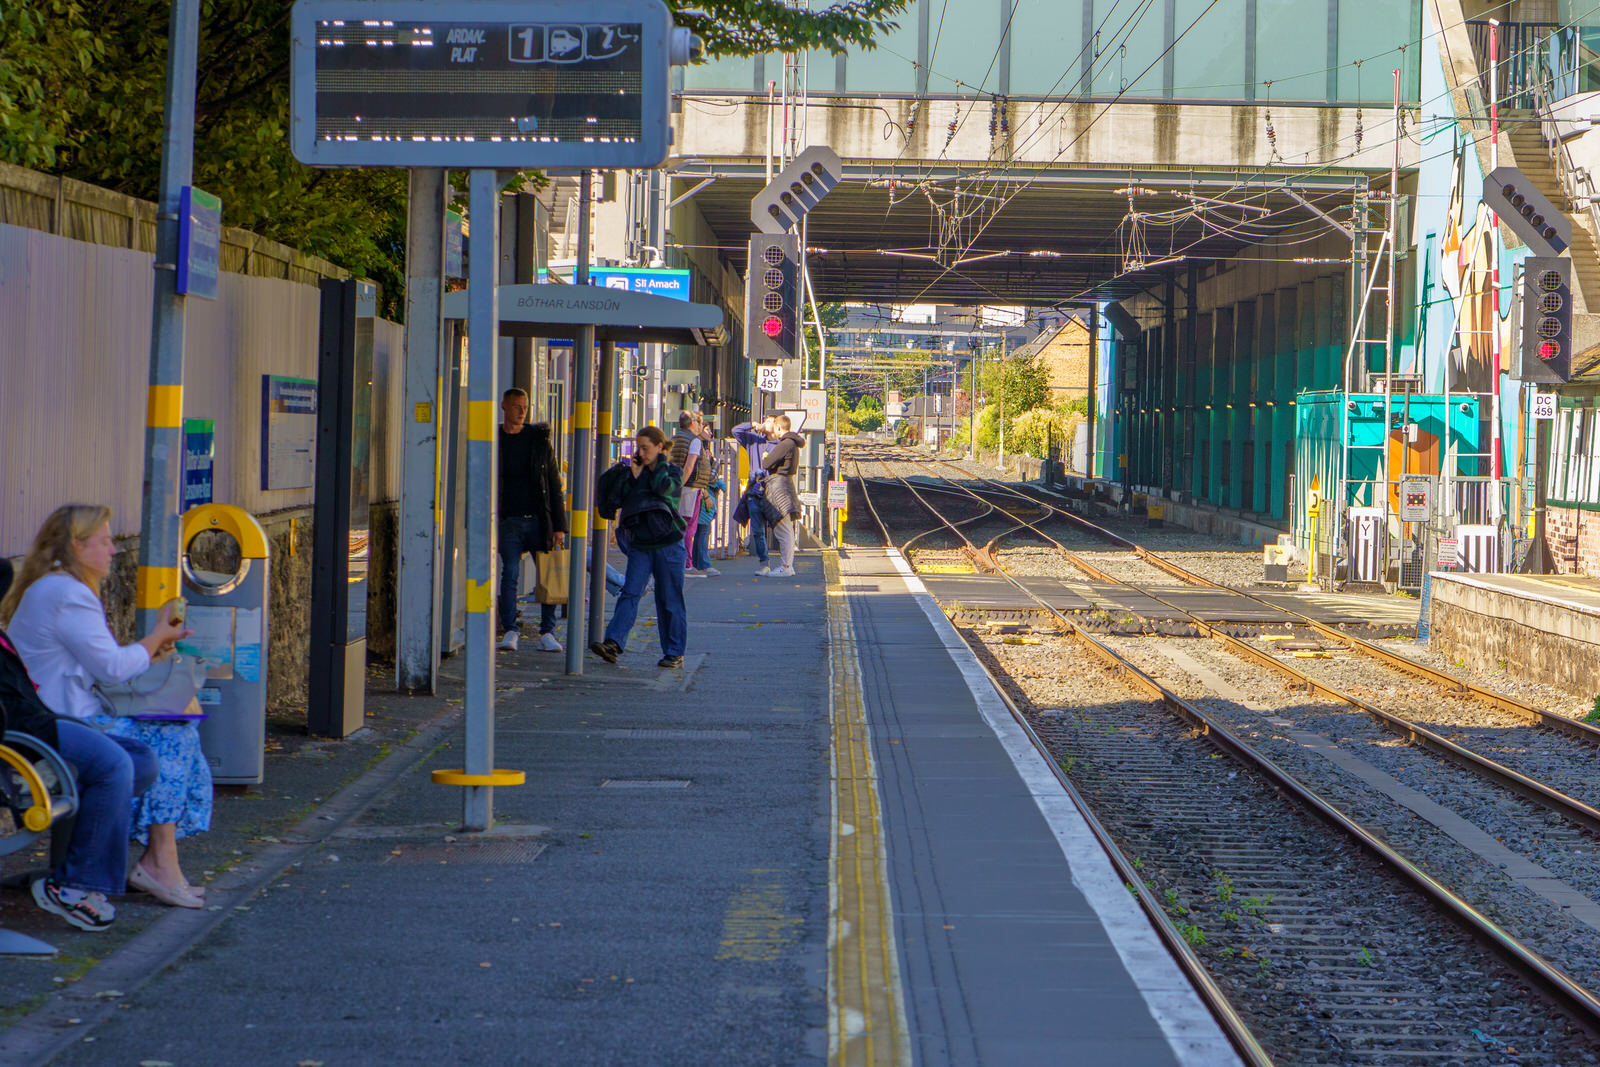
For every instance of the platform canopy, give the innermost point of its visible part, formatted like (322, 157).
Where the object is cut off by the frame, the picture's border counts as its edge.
(619, 315)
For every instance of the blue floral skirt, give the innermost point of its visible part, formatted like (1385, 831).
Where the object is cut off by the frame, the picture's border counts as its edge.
(182, 793)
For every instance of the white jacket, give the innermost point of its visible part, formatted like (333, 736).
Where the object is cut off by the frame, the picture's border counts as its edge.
(61, 632)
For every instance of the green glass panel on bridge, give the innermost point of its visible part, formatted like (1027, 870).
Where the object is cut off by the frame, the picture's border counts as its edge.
(1221, 55)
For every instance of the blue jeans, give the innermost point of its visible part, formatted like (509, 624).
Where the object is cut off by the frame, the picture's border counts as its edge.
(613, 576)
(111, 771)
(519, 534)
(758, 531)
(671, 619)
(702, 544)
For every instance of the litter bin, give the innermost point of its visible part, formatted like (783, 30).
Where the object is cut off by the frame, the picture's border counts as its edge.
(226, 586)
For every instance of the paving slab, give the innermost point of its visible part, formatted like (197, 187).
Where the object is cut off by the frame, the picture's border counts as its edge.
(656, 893)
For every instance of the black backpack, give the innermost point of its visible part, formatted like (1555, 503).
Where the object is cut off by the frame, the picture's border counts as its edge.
(20, 706)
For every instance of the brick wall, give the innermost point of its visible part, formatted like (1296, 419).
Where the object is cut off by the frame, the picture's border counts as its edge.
(1067, 356)
(1572, 540)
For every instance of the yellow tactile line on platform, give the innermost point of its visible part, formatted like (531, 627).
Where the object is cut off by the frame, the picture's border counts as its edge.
(866, 1006)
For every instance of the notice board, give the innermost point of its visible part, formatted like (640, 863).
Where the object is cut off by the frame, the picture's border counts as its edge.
(288, 432)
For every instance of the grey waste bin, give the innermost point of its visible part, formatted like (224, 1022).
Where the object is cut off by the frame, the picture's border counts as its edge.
(228, 614)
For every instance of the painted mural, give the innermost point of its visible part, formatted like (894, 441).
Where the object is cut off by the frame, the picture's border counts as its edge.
(1464, 261)
(1456, 320)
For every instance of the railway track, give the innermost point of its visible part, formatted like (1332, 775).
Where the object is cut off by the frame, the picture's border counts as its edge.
(1202, 826)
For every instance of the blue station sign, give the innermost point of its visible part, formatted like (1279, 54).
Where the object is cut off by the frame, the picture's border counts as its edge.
(199, 242)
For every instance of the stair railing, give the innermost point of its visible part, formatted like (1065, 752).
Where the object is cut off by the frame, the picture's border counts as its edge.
(1577, 184)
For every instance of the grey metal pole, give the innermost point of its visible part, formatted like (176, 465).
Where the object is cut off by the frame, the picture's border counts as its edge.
(604, 386)
(483, 489)
(160, 528)
(417, 606)
(581, 485)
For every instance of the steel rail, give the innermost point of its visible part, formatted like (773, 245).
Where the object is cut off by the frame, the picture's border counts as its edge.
(1456, 686)
(1578, 811)
(1564, 988)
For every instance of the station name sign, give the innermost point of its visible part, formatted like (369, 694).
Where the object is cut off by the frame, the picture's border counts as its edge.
(440, 83)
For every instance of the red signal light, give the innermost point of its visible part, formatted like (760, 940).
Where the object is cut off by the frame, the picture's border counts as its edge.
(772, 326)
(1549, 349)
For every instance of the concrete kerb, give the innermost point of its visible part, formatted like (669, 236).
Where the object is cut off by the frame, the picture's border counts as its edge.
(76, 1010)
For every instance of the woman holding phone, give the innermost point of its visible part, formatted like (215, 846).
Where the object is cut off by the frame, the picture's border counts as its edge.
(58, 624)
(650, 531)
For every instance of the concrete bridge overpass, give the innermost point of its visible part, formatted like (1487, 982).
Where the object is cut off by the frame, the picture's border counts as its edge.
(1041, 215)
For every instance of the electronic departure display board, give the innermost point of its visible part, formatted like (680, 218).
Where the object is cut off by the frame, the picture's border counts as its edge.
(442, 83)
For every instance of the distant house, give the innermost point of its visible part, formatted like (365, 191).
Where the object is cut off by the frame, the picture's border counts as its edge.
(1067, 349)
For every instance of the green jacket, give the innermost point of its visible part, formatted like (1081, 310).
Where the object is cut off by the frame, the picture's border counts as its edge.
(649, 513)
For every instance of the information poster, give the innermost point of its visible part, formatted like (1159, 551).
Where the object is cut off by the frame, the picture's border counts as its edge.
(212, 639)
(288, 432)
(199, 461)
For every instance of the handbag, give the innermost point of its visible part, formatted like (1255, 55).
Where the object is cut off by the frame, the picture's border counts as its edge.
(770, 513)
(551, 584)
(165, 688)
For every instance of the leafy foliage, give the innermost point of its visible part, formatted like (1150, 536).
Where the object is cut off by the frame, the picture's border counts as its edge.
(82, 90)
(1032, 432)
(752, 27)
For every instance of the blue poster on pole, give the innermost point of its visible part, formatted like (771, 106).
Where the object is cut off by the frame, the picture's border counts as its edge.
(455, 264)
(199, 461)
(199, 242)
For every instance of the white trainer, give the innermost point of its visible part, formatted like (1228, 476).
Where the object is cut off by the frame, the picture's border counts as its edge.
(508, 643)
(711, 572)
(764, 571)
(783, 572)
(548, 643)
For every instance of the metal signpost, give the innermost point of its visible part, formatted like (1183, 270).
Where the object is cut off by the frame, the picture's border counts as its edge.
(160, 528)
(489, 86)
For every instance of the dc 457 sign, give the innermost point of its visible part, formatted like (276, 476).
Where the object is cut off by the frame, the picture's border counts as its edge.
(769, 379)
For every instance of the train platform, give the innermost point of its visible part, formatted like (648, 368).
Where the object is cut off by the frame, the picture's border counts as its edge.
(1541, 627)
(824, 838)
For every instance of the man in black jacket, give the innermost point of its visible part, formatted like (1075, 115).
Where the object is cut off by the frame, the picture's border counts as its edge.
(533, 513)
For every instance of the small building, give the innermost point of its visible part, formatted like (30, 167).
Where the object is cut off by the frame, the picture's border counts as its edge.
(1067, 349)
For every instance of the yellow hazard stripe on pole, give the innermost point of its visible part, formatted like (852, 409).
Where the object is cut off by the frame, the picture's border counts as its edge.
(164, 406)
(580, 415)
(579, 524)
(479, 596)
(480, 420)
(154, 586)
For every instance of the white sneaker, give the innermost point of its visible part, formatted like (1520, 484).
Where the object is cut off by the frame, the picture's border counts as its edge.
(711, 572)
(765, 570)
(548, 643)
(783, 572)
(692, 573)
(508, 643)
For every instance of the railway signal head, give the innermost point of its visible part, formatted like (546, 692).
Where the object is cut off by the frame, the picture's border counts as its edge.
(1546, 348)
(772, 297)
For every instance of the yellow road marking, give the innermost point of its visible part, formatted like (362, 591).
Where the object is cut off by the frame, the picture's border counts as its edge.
(866, 1006)
(757, 927)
